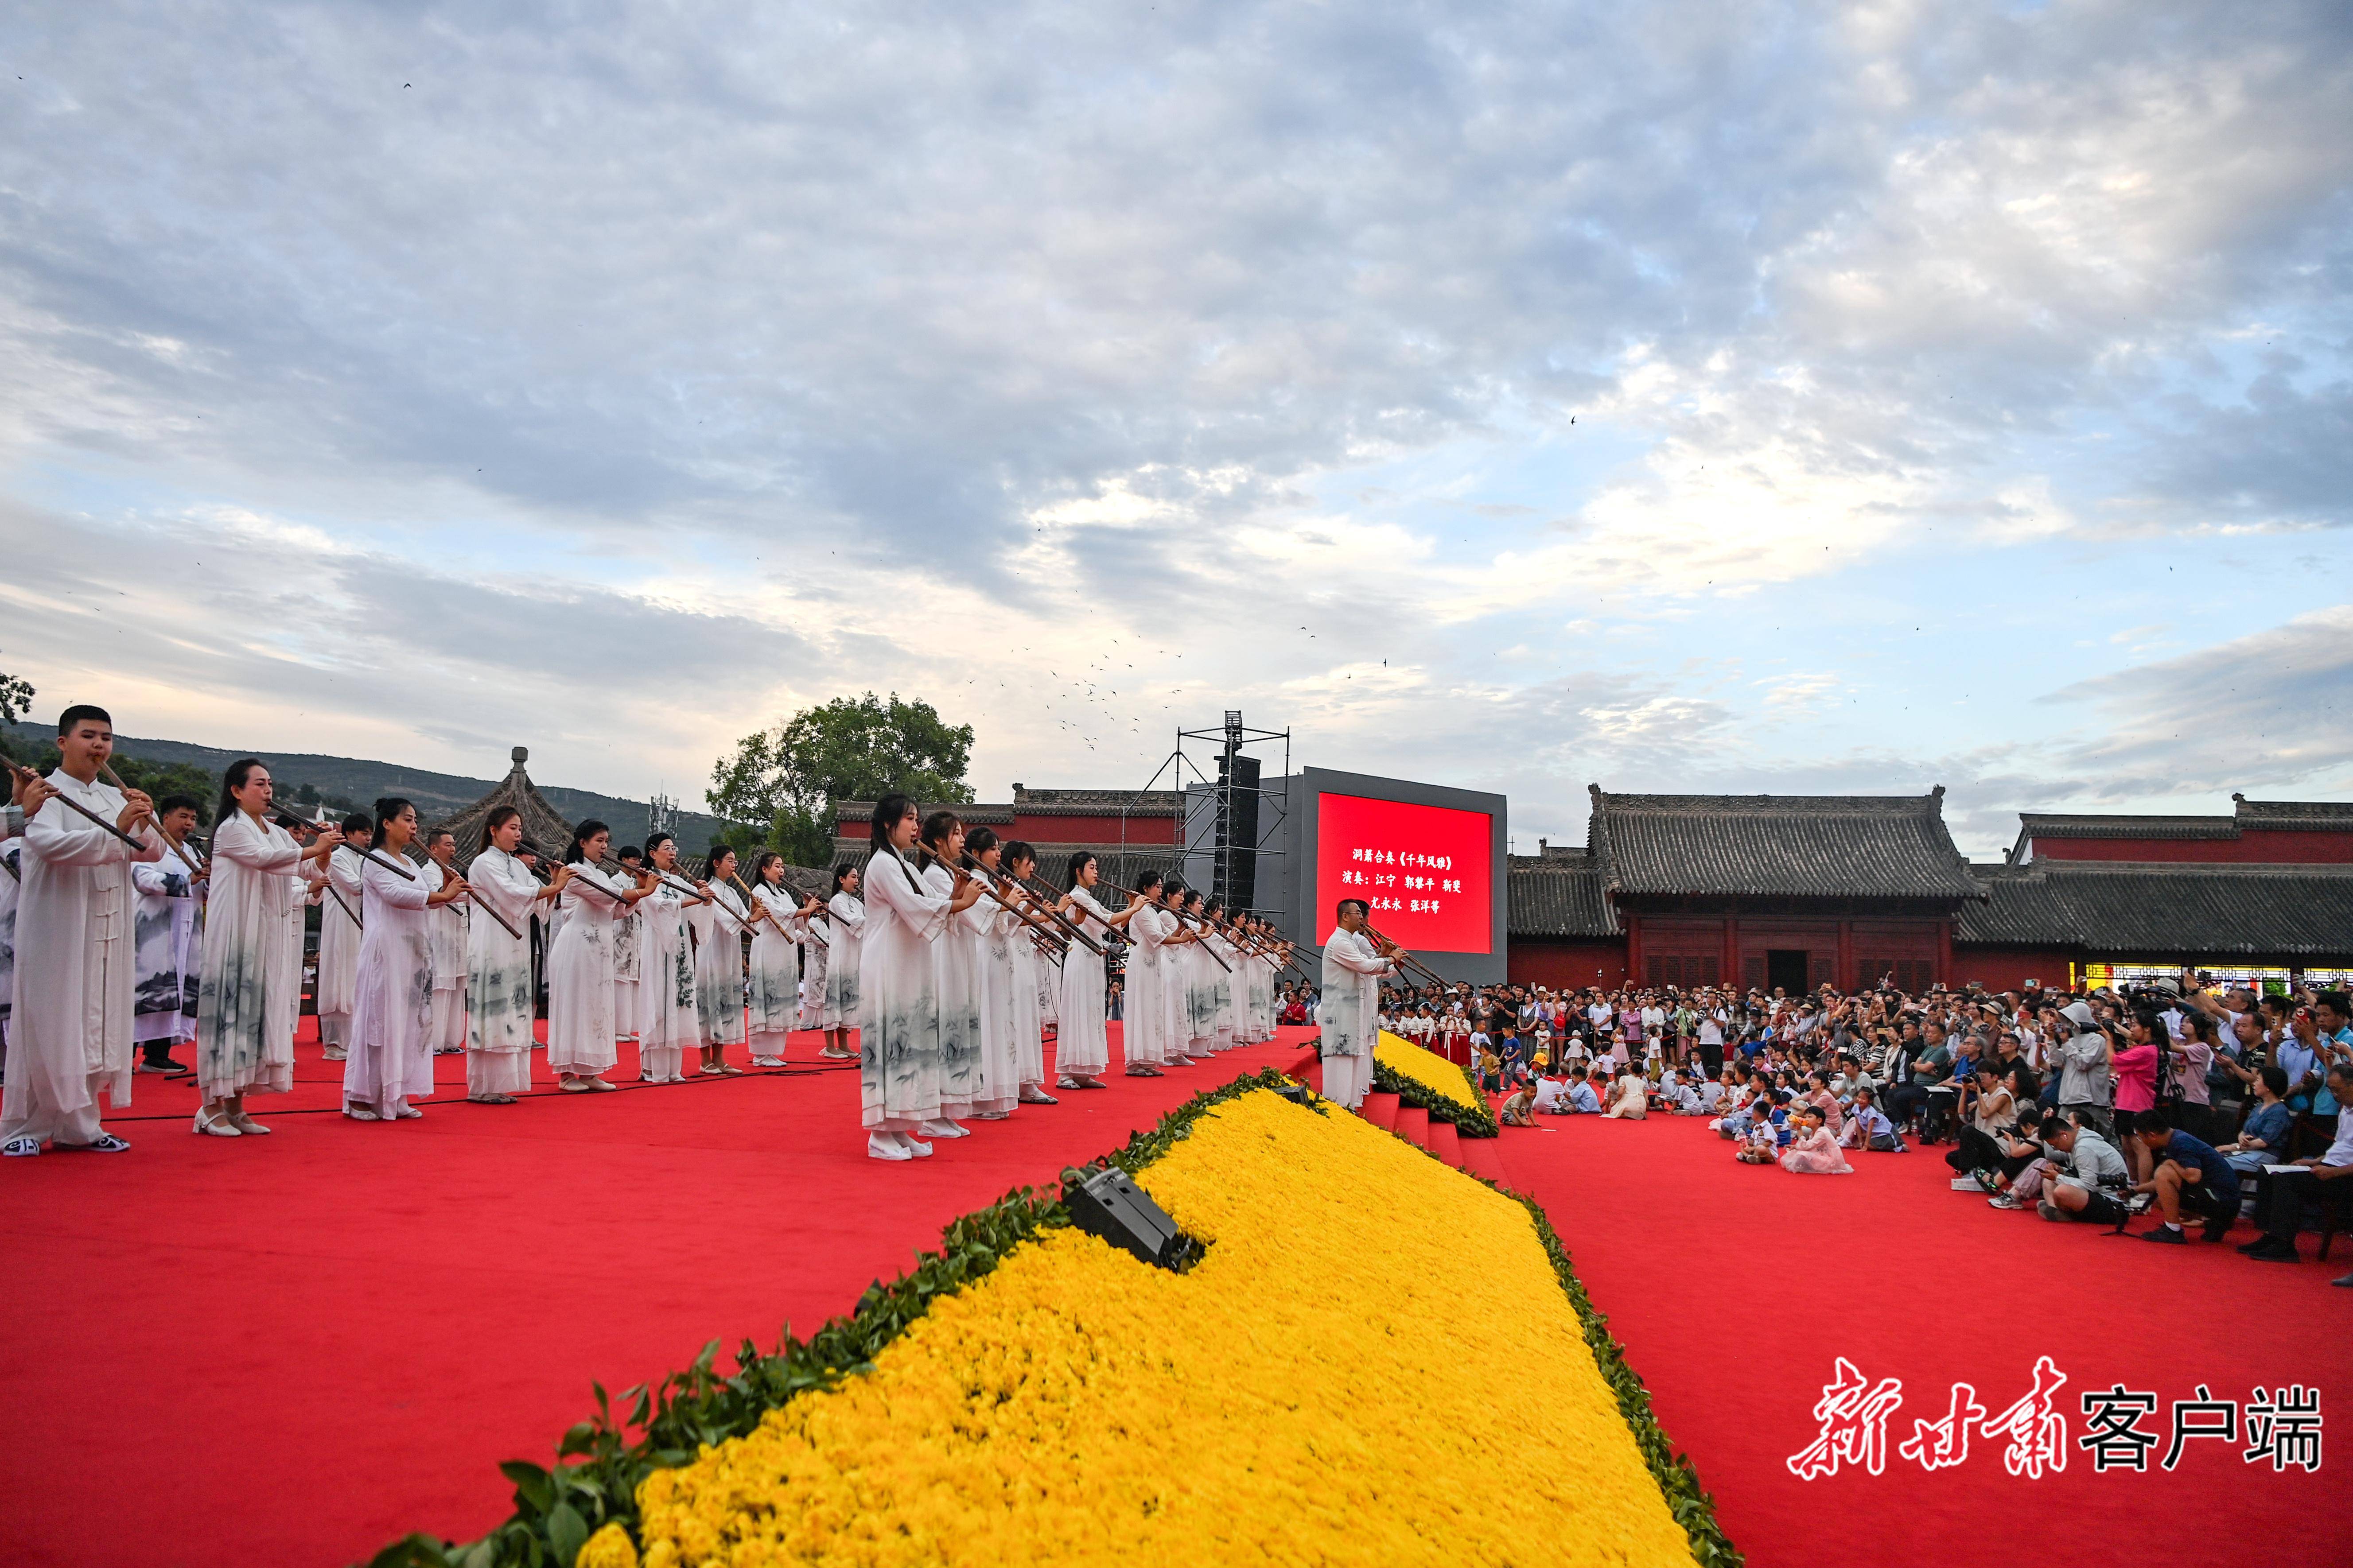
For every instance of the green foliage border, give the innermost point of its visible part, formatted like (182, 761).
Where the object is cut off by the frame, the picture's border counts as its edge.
(1470, 1122)
(599, 1468)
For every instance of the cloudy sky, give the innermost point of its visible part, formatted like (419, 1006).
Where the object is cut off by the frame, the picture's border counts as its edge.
(1693, 397)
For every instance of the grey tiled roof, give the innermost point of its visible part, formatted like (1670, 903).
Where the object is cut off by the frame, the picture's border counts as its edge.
(1787, 846)
(1096, 801)
(543, 827)
(1560, 894)
(2130, 907)
(2073, 824)
(2293, 815)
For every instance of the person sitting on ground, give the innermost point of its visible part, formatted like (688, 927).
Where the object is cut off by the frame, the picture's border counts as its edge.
(1583, 1101)
(2186, 1173)
(2082, 1176)
(1631, 1099)
(1678, 1098)
(1867, 1127)
(2279, 1194)
(1760, 1145)
(1552, 1094)
(1710, 1092)
(1518, 1108)
(1814, 1149)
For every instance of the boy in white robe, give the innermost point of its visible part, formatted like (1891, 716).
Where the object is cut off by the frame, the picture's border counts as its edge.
(447, 935)
(1353, 967)
(339, 934)
(70, 1019)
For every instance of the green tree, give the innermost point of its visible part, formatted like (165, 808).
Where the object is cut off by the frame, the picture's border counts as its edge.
(15, 697)
(783, 785)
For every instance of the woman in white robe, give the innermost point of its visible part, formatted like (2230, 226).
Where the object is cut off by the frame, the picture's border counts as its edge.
(899, 997)
(581, 1037)
(1202, 976)
(1231, 983)
(666, 1021)
(249, 984)
(340, 934)
(957, 956)
(1031, 966)
(816, 958)
(1082, 1046)
(844, 934)
(779, 926)
(390, 1049)
(1144, 1027)
(719, 928)
(994, 929)
(448, 933)
(1180, 963)
(498, 991)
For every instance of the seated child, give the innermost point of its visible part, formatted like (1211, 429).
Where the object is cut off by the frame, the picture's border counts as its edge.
(1813, 1150)
(1867, 1127)
(1759, 1146)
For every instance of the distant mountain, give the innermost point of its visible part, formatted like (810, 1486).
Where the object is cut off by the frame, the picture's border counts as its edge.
(436, 794)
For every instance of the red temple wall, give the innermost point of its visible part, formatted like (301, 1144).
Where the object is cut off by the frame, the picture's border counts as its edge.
(2253, 846)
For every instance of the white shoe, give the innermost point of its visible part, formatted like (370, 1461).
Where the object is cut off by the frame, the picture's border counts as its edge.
(943, 1128)
(21, 1148)
(409, 1113)
(223, 1128)
(1031, 1095)
(767, 1062)
(247, 1124)
(878, 1147)
(917, 1147)
(361, 1113)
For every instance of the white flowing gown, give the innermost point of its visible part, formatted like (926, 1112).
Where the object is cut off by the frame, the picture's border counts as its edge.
(499, 1000)
(625, 966)
(719, 967)
(1080, 1045)
(844, 961)
(70, 1026)
(581, 1038)
(1350, 1014)
(994, 926)
(165, 937)
(957, 956)
(898, 992)
(1143, 1028)
(391, 1046)
(1028, 1028)
(339, 944)
(446, 929)
(776, 969)
(250, 989)
(666, 1020)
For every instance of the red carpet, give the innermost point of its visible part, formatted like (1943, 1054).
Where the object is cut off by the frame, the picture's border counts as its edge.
(291, 1350)
(1734, 1287)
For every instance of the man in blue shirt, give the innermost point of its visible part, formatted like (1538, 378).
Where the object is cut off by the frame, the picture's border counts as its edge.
(2189, 1173)
(1582, 1101)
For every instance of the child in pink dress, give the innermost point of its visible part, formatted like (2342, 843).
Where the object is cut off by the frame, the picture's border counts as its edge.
(1814, 1149)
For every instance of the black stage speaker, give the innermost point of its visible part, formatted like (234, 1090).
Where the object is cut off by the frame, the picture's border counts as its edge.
(1114, 1207)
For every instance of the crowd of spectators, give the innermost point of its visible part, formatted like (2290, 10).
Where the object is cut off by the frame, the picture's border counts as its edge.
(2182, 1100)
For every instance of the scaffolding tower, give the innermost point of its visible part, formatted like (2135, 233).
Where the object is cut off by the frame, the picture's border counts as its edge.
(1231, 822)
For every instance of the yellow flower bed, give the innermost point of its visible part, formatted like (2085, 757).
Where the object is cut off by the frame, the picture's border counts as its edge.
(1333, 1384)
(1428, 1069)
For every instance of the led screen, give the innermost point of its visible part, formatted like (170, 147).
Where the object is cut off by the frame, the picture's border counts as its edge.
(1427, 870)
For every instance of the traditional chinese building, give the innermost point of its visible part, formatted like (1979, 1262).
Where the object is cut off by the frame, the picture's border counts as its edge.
(543, 827)
(1797, 891)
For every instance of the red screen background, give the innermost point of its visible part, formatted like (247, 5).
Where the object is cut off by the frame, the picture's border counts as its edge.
(1428, 871)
